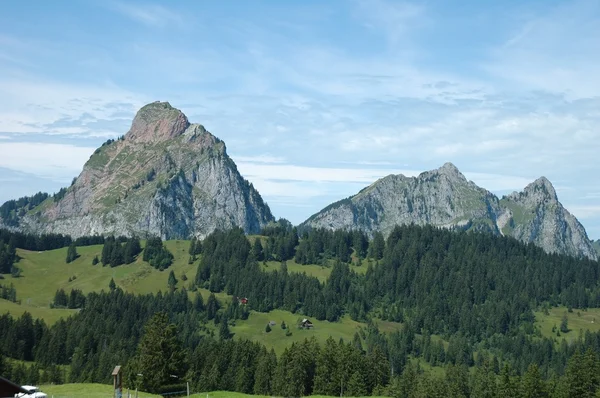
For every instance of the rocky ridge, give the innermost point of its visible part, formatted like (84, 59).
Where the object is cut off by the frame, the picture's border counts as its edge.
(165, 177)
(445, 198)
(596, 245)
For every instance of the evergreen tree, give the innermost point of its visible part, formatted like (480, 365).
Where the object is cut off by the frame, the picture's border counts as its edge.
(581, 375)
(112, 285)
(263, 379)
(257, 250)
(356, 385)
(172, 282)
(160, 354)
(564, 324)
(95, 261)
(484, 382)
(507, 386)
(532, 385)
(212, 306)
(71, 253)
(224, 333)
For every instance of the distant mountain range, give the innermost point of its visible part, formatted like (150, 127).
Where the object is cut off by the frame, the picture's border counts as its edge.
(174, 179)
(445, 198)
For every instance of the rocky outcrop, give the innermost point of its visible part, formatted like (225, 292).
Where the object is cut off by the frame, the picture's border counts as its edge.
(445, 198)
(596, 245)
(165, 177)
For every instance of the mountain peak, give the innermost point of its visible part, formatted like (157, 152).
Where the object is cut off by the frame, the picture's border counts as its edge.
(156, 122)
(542, 187)
(450, 170)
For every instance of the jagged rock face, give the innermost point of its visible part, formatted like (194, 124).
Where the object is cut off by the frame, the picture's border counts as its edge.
(445, 198)
(541, 219)
(167, 177)
(596, 245)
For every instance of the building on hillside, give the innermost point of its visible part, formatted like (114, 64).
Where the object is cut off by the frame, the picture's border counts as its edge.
(8, 389)
(306, 324)
(242, 300)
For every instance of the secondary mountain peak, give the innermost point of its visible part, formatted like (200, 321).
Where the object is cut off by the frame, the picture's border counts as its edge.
(157, 122)
(443, 197)
(541, 188)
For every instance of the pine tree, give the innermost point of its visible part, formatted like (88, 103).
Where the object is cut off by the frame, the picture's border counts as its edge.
(172, 282)
(564, 324)
(507, 386)
(212, 306)
(160, 354)
(263, 378)
(95, 261)
(224, 333)
(484, 381)
(257, 250)
(71, 253)
(532, 385)
(356, 385)
(112, 285)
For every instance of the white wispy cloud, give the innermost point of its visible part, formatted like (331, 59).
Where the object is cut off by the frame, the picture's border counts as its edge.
(52, 161)
(554, 50)
(149, 14)
(32, 105)
(585, 212)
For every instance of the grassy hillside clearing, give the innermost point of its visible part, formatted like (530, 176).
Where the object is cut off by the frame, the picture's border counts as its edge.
(43, 273)
(578, 320)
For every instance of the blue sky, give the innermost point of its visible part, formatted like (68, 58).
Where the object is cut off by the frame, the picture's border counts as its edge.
(314, 99)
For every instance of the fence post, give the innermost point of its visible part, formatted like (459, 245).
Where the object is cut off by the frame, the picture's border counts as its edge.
(188, 388)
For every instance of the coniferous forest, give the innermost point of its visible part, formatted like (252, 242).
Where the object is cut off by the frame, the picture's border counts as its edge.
(463, 301)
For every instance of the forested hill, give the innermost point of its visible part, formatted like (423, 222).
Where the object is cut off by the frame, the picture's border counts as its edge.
(462, 300)
(442, 281)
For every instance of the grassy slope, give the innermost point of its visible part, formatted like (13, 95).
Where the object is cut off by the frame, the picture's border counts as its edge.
(45, 272)
(586, 320)
(105, 390)
(91, 390)
(254, 329)
(319, 271)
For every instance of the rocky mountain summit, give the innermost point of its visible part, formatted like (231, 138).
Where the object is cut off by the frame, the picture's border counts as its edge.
(165, 177)
(445, 198)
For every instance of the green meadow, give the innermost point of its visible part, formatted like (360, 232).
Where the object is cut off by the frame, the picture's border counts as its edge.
(578, 322)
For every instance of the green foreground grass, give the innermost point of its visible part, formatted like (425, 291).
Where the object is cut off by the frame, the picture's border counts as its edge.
(105, 390)
(91, 390)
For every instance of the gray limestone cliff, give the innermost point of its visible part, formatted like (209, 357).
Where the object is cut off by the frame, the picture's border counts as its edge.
(165, 177)
(596, 245)
(445, 198)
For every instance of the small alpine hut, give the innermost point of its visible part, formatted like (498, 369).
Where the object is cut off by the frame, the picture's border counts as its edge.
(306, 324)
